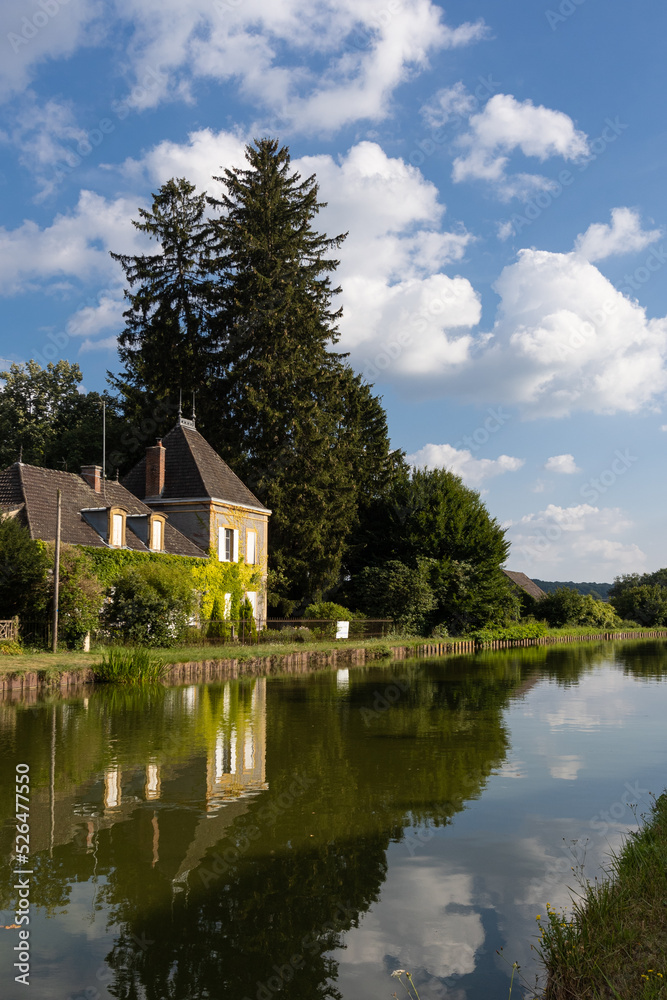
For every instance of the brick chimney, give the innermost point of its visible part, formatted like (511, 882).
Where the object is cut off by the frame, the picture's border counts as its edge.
(93, 476)
(155, 466)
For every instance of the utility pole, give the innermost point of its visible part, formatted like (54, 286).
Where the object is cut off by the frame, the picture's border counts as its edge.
(56, 572)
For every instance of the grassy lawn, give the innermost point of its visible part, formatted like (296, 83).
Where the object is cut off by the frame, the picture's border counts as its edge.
(614, 946)
(64, 661)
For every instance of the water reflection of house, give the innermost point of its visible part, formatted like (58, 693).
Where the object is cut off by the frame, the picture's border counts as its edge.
(210, 787)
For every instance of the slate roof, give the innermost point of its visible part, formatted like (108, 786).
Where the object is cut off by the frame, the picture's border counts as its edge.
(524, 583)
(193, 470)
(35, 489)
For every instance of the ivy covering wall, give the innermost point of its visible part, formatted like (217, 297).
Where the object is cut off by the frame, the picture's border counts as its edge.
(211, 580)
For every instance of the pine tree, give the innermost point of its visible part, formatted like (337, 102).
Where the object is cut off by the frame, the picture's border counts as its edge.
(299, 427)
(167, 344)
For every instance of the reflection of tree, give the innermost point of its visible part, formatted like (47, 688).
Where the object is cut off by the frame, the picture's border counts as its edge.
(346, 772)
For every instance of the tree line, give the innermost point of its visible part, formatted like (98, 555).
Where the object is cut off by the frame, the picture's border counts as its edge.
(237, 306)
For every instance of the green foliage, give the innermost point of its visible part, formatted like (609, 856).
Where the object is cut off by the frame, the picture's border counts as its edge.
(151, 605)
(517, 631)
(110, 564)
(329, 610)
(238, 307)
(23, 565)
(642, 599)
(129, 666)
(613, 942)
(10, 647)
(599, 590)
(397, 591)
(81, 595)
(247, 624)
(43, 413)
(168, 343)
(440, 532)
(289, 634)
(569, 607)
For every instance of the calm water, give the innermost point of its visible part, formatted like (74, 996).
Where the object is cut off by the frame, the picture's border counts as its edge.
(302, 837)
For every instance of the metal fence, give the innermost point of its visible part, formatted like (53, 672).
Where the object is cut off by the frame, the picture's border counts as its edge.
(288, 630)
(37, 633)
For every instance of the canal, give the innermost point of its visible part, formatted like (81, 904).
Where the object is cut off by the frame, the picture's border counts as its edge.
(304, 836)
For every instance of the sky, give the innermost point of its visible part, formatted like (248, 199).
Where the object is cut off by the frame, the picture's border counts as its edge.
(499, 169)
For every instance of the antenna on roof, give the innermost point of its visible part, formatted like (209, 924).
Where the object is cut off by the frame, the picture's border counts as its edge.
(193, 406)
(180, 404)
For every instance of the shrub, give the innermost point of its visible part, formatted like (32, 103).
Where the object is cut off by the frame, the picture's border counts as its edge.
(23, 565)
(10, 647)
(151, 604)
(81, 595)
(500, 633)
(569, 607)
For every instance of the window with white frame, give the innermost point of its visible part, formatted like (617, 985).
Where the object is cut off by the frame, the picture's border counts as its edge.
(156, 535)
(228, 545)
(117, 529)
(251, 547)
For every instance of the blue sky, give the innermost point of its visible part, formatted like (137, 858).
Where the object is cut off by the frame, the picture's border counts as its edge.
(500, 168)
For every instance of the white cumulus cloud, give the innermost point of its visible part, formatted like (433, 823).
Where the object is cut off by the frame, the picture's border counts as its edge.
(275, 52)
(564, 464)
(588, 542)
(473, 471)
(623, 235)
(506, 125)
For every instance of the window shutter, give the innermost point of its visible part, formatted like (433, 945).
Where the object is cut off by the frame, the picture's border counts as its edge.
(235, 549)
(251, 547)
(221, 544)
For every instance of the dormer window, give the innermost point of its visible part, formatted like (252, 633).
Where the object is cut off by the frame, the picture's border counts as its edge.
(117, 527)
(156, 534)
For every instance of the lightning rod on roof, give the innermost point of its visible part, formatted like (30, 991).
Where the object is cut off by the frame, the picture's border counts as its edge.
(193, 406)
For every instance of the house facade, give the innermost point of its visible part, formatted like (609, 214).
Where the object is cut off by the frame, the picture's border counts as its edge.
(183, 479)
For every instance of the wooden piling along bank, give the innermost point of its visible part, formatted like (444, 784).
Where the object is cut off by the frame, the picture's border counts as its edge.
(28, 686)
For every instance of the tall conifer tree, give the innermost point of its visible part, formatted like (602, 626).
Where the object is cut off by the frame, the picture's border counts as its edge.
(168, 344)
(300, 428)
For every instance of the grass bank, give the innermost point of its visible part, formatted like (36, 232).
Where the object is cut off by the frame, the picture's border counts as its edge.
(69, 661)
(74, 660)
(614, 945)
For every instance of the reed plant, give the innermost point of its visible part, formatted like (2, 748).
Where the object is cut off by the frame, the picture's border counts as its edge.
(129, 665)
(613, 944)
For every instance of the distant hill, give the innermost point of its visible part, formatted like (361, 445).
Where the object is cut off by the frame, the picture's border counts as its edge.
(596, 589)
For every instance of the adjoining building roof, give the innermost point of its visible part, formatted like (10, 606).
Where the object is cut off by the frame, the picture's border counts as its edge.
(193, 470)
(35, 489)
(524, 583)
